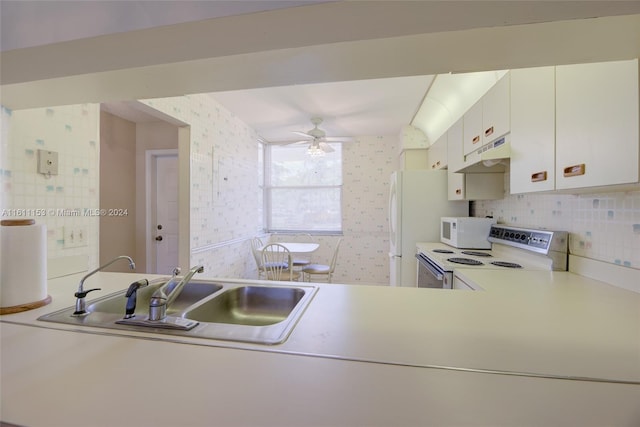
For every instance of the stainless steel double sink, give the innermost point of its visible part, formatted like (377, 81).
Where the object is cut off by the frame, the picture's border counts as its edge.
(255, 313)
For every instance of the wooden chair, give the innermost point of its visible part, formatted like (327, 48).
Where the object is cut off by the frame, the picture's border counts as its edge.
(322, 270)
(277, 263)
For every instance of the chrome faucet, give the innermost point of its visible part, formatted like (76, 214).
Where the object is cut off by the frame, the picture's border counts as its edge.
(160, 301)
(81, 293)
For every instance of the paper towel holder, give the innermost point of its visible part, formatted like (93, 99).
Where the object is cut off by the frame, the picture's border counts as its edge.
(29, 305)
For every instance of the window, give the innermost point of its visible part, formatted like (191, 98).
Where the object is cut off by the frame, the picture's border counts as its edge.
(261, 218)
(303, 192)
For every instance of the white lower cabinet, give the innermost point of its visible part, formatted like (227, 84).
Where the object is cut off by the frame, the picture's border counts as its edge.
(597, 124)
(462, 285)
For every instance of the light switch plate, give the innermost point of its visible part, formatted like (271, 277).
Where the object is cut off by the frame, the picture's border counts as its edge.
(48, 162)
(74, 237)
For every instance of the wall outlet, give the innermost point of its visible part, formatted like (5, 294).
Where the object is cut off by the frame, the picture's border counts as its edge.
(47, 162)
(74, 237)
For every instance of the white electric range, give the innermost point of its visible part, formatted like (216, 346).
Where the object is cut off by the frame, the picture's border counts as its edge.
(512, 248)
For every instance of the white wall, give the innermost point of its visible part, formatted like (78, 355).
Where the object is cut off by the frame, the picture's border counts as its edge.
(118, 190)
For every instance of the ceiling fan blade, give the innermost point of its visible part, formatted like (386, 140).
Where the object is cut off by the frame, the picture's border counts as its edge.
(326, 147)
(288, 142)
(306, 135)
(338, 139)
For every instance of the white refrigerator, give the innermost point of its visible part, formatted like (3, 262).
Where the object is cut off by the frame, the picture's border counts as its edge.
(417, 200)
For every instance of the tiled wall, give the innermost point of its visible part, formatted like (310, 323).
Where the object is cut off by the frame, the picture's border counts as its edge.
(73, 132)
(602, 226)
(224, 192)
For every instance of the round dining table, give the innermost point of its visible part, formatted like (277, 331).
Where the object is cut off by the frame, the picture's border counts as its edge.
(297, 247)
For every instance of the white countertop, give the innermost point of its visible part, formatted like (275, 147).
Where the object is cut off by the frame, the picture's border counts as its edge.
(545, 323)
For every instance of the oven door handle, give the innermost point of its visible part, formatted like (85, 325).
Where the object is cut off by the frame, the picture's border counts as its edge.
(433, 269)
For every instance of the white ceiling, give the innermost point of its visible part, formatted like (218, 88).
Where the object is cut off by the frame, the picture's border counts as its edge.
(373, 107)
(356, 108)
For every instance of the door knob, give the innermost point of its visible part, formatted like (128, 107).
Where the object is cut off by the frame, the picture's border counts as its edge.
(159, 238)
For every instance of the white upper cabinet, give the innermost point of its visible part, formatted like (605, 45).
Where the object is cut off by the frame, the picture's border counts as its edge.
(472, 128)
(469, 186)
(438, 153)
(489, 118)
(495, 110)
(456, 161)
(597, 121)
(532, 130)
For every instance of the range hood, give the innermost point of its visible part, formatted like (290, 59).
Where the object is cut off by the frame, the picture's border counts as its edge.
(491, 157)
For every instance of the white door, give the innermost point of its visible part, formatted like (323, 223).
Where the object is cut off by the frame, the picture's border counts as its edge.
(166, 214)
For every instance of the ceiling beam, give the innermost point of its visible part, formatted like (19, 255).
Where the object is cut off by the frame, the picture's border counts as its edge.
(478, 49)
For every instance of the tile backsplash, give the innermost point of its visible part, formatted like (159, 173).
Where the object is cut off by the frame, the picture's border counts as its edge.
(602, 226)
(68, 200)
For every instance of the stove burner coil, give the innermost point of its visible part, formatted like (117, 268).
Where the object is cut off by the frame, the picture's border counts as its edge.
(506, 264)
(467, 261)
(442, 251)
(476, 253)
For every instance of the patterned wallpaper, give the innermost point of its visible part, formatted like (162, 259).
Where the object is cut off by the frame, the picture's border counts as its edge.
(363, 257)
(225, 209)
(367, 167)
(224, 191)
(602, 226)
(59, 201)
(226, 201)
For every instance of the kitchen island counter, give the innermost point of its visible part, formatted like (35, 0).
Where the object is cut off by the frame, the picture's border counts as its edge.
(360, 355)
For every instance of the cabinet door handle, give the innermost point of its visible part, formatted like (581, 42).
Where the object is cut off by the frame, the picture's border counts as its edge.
(575, 170)
(458, 191)
(488, 131)
(539, 176)
(438, 163)
(433, 166)
(476, 139)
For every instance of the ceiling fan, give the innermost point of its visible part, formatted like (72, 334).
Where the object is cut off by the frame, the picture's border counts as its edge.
(317, 139)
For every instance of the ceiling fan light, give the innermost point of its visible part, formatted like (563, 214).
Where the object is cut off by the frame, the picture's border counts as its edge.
(315, 151)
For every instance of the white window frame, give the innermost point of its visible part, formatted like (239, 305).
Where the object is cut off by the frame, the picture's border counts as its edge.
(268, 205)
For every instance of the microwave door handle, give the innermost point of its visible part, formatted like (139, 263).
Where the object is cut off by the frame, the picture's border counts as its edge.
(439, 275)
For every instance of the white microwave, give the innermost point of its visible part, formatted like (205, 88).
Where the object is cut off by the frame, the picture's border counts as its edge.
(466, 232)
